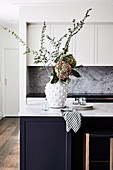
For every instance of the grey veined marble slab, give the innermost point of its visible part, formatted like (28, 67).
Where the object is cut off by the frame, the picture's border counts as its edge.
(94, 79)
(99, 110)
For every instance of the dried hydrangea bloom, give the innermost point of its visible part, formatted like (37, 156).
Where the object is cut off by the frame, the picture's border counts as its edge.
(69, 59)
(62, 69)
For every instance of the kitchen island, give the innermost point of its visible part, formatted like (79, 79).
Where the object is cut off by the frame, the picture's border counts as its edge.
(45, 144)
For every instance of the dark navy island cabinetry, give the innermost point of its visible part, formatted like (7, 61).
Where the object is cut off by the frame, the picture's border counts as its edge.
(45, 144)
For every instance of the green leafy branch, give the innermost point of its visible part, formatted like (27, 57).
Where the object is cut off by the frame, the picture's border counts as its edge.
(55, 79)
(55, 55)
(56, 44)
(43, 51)
(76, 28)
(38, 57)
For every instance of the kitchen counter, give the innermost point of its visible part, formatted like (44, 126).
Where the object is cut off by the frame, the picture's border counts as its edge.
(45, 144)
(99, 110)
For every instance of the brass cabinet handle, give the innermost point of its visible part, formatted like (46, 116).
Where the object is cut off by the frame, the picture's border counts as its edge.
(5, 81)
(87, 151)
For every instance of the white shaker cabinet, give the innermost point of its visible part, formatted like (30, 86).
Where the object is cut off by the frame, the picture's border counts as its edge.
(85, 45)
(104, 44)
(33, 40)
(93, 45)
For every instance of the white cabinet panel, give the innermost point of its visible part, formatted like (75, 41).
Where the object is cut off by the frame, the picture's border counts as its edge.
(33, 40)
(85, 46)
(104, 44)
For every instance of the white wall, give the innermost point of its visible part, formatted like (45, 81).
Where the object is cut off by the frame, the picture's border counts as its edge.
(7, 42)
(56, 13)
(0, 77)
(99, 13)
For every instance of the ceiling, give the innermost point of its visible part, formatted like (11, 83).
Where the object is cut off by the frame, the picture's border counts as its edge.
(9, 9)
(22, 2)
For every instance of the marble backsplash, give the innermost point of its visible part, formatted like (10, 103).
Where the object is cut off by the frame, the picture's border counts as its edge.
(94, 79)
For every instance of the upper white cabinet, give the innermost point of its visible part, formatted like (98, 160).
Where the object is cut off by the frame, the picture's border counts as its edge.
(33, 40)
(93, 45)
(104, 44)
(85, 45)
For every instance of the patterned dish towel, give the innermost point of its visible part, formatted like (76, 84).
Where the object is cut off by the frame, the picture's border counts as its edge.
(72, 118)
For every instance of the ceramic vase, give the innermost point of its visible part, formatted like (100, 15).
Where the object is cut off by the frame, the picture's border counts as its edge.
(56, 94)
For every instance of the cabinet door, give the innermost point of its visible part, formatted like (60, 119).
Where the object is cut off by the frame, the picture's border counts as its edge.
(44, 144)
(104, 44)
(33, 40)
(85, 45)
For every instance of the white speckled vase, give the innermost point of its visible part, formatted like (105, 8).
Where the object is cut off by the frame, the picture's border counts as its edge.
(56, 94)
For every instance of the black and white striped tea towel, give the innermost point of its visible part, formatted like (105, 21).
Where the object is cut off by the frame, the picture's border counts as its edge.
(72, 118)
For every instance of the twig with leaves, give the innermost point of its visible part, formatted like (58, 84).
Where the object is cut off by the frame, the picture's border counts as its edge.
(39, 58)
(76, 28)
(71, 32)
(56, 44)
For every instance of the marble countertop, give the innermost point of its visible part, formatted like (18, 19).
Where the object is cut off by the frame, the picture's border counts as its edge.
(99, 110)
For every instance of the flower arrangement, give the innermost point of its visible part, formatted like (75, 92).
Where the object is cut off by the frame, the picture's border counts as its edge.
(65, 63)
(62, 69)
